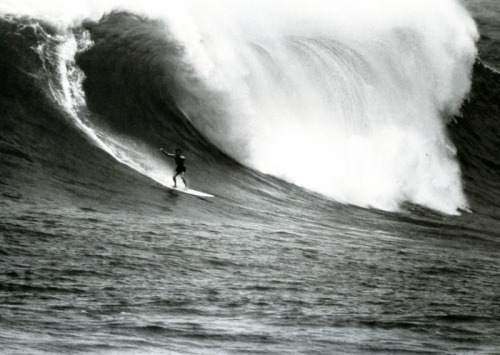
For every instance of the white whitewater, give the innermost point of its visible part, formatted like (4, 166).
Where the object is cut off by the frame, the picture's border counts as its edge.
(349, 100)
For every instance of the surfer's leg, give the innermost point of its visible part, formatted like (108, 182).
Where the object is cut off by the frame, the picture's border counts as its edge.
(184, 180)
(175, 180)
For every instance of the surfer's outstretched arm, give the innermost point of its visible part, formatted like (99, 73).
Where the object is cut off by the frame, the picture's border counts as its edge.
(167, 154)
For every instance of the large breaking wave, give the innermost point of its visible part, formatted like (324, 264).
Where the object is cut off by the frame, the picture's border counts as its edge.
(350, 100)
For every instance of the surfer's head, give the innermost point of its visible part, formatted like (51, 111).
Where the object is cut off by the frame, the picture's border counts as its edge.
(178, 151)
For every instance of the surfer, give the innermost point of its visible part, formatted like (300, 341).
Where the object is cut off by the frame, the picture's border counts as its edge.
(179, 161)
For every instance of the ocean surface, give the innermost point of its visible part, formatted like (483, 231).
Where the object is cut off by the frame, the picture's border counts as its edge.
(353, 148)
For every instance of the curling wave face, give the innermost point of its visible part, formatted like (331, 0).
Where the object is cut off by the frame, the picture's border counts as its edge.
(350, 101)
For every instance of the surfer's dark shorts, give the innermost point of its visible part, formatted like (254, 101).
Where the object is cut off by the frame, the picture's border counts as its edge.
(180, 169)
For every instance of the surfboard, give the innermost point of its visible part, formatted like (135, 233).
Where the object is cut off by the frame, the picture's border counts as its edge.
(190, 192)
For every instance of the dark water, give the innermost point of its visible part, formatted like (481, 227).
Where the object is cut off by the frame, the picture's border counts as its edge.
(98, 258)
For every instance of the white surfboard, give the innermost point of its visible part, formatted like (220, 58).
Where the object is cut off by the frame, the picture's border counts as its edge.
(190, 192)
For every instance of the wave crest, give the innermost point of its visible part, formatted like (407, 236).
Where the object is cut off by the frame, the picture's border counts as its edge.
(348, 99)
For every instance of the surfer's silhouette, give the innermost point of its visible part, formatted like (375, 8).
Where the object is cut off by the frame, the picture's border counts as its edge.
(179, 161)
